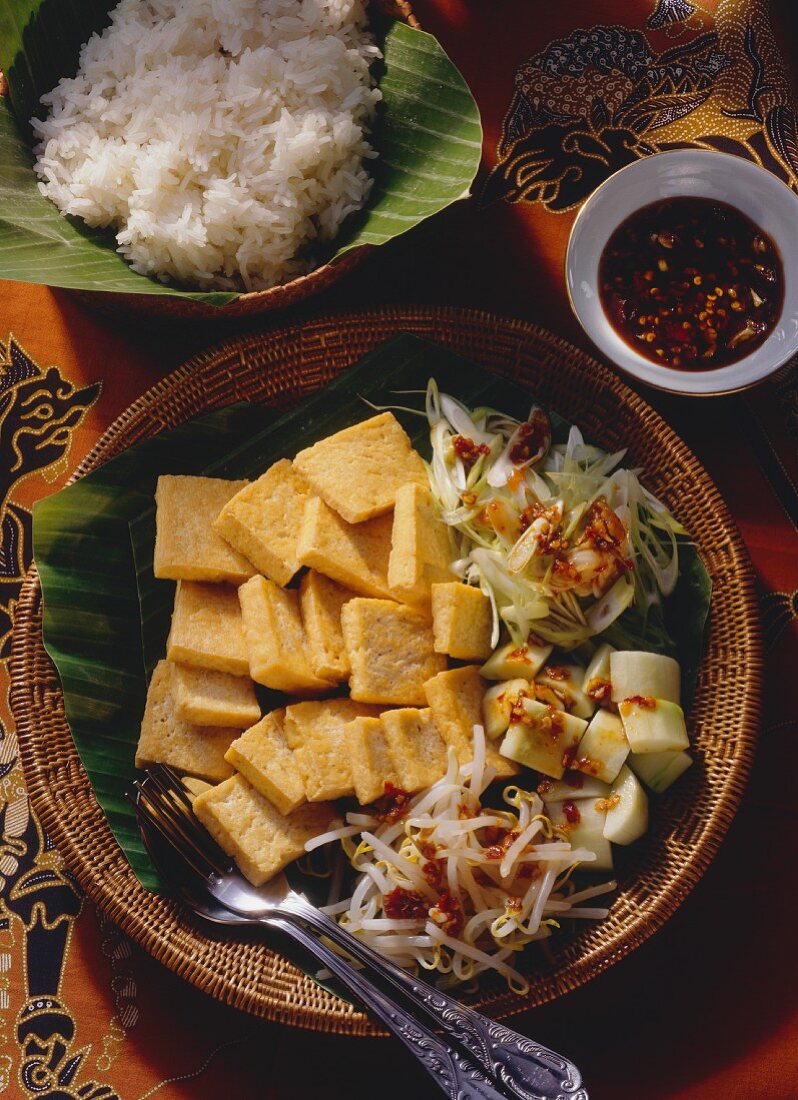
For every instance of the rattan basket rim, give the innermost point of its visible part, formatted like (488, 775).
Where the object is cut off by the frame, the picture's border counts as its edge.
(158, 925)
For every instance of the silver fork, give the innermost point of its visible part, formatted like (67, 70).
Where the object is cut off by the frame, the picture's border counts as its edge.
(473, 1058)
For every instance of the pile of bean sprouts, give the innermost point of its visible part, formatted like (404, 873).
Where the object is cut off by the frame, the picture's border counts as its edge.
(476, 884)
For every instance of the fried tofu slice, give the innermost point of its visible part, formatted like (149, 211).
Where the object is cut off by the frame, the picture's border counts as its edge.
(209, 698)
(207, 630)
(372, 764)
(416, 747)
(455, 699)
(462, 621)
(262, 521)
(167, 739)
(187, 548)
(390, 651)
(314, 731)
(320, 602)
(276, 643)
(263, 757)
(354, 555)
(358, 470)
(421, 547)
(252, 830)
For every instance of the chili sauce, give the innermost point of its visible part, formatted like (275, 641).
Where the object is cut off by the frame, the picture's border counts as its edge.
(691, 283)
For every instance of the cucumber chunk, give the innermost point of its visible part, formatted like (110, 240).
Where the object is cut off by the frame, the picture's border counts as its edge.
(574, 786)
(659, 770)
(545, 740)
(584, 827)
(511, 661)
(636, 673)
(597, 682)
(653, 725)
(497, 703)
(566, 680)
(604, 748)
(626, 818)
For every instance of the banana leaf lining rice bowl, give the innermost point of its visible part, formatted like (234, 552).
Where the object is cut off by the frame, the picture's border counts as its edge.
(422, 153)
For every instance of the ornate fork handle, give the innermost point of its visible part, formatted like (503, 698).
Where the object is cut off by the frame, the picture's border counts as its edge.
(528, 1070)
(455, 1074)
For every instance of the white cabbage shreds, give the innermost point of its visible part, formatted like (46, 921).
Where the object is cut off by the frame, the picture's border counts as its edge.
(219, 137)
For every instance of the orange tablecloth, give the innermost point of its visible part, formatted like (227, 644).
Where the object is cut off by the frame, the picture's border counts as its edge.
(708, 1007)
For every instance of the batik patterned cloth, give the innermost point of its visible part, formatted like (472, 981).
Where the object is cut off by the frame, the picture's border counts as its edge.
(569, 94)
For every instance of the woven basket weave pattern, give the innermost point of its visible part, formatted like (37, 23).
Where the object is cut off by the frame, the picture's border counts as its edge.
(687, 824)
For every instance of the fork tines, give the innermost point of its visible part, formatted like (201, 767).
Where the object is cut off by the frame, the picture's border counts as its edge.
(163, 804)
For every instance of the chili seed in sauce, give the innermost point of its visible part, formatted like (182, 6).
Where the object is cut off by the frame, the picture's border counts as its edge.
(691, 283)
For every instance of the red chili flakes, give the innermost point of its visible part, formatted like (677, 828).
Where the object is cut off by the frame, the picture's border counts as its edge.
(533, 436)
(587, 765)
(645, 702)
(393, 804)
(568, 757)
(433, 872)
(544, 786)
(599, 690)
(521, 655)
(451, 909)
(571, 812)
(469, 451)
(403, 904)
(428, 849)
(604, 804)
(514, 905)
(557, 672)
(500, 848)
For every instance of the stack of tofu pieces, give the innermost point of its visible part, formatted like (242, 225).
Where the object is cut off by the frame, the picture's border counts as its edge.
(328, 580)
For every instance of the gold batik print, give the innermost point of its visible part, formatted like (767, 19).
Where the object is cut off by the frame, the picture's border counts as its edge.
(698, 76)
(39, 901)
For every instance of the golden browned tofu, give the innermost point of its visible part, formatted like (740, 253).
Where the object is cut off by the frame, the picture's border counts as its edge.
(252, 830)
(354, 555)
(462, 621)
(209, 698)
(421, 548)
(314, 731)
(207, 630)
(262, 521)
(372, 764)
(186, 546)
(167, 739)
(455, 699)
(390, 652)
(263, 757)
(320, 602)
(358, 470)
(276, 643)
(417, 749)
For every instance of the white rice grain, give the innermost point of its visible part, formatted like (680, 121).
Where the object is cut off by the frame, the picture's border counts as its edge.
(219, 138)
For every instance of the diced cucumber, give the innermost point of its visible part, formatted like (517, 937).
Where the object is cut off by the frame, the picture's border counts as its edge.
(659, 769)
(558, 790)
(511, 661)
(604, 748)
(597, 675)
(497, 703)
(653, 725)
(567, 680)
(636, 673)
(626, 818)
(545, 740)
(584, 826)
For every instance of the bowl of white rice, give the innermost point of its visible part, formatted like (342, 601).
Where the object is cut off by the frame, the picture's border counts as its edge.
(223, 143)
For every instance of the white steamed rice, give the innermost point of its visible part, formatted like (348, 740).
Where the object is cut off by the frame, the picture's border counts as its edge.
(221, 138)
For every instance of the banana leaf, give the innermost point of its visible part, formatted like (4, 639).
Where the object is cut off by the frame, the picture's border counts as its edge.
(427, 134)
(106, 616)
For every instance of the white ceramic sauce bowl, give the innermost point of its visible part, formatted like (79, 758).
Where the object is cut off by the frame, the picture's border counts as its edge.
(702, 174)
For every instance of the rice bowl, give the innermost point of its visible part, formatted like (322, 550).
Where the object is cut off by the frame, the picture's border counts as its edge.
(221, 139)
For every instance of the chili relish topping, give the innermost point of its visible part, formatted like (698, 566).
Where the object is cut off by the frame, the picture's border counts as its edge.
(691, 283)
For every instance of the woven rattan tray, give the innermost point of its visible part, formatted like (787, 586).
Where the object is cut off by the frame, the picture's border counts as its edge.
(688, 824)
